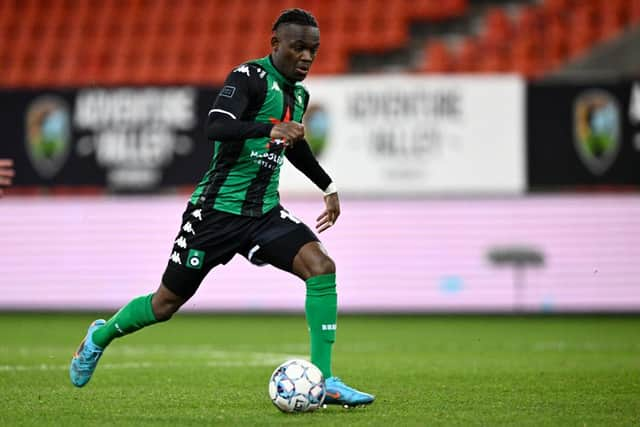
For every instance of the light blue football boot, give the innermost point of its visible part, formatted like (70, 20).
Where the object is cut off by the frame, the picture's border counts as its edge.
(86, 358)
(338, 393)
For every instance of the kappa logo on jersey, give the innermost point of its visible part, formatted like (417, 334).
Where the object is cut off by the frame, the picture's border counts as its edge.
(195, 258)
(197, 213)
(188, 228)
(175, 257)
(329, 327)
(181, 242)
(261, 72)
(228, 91)
(243, 69)
(275, 86)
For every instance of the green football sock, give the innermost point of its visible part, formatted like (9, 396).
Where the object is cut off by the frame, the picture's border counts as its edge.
(133, 316)
(321, 308)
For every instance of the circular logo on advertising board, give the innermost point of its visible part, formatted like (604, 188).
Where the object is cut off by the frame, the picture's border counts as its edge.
(597, 129)
(316, 123)
(47, 135)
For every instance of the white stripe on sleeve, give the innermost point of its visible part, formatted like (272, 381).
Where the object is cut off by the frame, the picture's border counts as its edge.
(217, 110)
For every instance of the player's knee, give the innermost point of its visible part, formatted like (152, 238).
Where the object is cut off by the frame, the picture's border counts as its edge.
(322, 265)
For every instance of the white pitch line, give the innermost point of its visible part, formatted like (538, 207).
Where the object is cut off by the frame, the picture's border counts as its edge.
(155, 350)
(221, 359)
(47, 367)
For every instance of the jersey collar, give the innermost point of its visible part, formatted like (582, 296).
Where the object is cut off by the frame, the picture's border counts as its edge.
(267, 63)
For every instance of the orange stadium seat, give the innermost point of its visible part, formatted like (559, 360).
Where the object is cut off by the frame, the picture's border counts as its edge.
(498, 28)
(354, 22)
(634, 12)
(434, 10)
(387, 26)
(613, 18)
(76, 42)
(438, 59)
(525, 56)
(466, 60)
(331, 61)
(454, 8)
(582, 34)
(556, 7)
(421, 10)
(494, 60)
(554, 45)
(530, 20)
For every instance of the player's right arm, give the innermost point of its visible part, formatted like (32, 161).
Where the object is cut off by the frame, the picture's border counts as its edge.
(231, 117)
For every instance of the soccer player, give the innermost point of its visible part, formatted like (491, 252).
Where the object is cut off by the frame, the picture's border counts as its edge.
(255, 121)
(6, 173)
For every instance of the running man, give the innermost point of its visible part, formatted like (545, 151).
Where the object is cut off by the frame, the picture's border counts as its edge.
(235, 209)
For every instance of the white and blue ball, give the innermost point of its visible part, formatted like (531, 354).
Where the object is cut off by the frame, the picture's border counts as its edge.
(297, 386)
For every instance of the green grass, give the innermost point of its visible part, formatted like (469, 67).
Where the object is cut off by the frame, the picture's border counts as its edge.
(434, 371)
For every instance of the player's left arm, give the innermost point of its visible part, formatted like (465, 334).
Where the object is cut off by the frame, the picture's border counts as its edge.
(330, 214)
(302, 158)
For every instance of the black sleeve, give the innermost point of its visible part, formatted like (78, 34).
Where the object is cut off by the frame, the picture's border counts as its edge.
(231, 116)
(223, 128)
(302, 158)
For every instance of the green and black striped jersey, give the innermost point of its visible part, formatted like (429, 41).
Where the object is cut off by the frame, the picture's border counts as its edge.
(243, 175)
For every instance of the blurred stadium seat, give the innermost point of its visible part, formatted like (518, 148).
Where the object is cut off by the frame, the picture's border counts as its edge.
(466, 60)
(75, 42)
(511, 42)
(438, 58)
(498, 28)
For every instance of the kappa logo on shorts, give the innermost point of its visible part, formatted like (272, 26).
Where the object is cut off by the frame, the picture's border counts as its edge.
(181, 242)
(197, 214)
(285, 214)
(195, 259)
(175, 257)
(188, 228)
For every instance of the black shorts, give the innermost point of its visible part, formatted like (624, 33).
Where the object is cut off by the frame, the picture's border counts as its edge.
(208, 238)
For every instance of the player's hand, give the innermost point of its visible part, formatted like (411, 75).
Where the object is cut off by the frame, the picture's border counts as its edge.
(290, 132)
(6, 173)
(330, 214)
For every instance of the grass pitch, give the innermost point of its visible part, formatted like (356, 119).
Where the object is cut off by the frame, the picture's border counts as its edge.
(425, 371)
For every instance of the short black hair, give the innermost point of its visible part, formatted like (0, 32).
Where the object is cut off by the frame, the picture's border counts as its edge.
(295, 16)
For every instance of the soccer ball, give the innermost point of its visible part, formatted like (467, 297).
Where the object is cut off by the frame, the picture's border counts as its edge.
(297, 386)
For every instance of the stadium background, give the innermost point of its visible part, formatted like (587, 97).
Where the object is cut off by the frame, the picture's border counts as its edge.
(486, 151)
(487, 157)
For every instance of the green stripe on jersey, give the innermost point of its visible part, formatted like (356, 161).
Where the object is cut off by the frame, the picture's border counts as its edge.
(248, 176)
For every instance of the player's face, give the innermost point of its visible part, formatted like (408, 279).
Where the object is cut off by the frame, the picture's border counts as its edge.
(293, 49)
